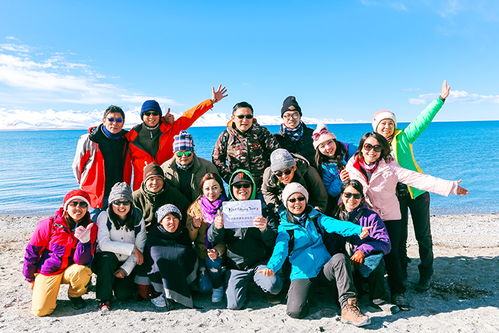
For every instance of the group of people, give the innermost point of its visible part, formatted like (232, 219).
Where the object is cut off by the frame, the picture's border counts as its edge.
(147, 219)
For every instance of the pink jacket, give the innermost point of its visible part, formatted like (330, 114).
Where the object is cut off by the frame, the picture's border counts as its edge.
(380, 190)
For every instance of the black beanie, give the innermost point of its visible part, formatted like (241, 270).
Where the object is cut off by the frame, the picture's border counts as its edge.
(290, 104)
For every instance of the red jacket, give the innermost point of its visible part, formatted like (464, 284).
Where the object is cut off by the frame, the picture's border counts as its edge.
(141, 158)
(89, 170)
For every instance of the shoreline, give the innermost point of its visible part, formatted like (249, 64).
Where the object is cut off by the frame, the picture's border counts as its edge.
(463, 297)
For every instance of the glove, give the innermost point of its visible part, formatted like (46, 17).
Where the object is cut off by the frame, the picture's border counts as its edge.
(83, 234)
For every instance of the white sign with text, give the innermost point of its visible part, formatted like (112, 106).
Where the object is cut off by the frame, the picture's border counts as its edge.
(240, 214)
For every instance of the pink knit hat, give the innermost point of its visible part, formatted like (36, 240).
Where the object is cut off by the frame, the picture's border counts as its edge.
(383, 114)
(321, 135)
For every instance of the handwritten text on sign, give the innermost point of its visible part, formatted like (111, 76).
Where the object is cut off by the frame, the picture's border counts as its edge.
(240, 214)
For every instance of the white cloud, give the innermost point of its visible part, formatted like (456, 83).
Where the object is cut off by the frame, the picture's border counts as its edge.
(52, 79)
(458, 96)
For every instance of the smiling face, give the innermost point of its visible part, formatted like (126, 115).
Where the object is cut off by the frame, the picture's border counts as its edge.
(151, 118)
(386, 127)
(351, 198)
(77, 209)
(328, 148)
(212, 189)
(112, 122)
(155, 184)
(241, 120)
(182, 159)
(286, 176)
(291, 119)
(121, 208)
(241, 191)
(296, 203)
(170, 223)
(369, 152)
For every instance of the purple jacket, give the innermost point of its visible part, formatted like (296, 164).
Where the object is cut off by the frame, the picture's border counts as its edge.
(53, 248)
(378, 240)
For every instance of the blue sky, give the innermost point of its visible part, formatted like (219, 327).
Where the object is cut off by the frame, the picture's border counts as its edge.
(66, 60)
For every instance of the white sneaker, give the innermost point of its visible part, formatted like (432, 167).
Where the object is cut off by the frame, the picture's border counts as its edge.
(159, 301)
(217, 295)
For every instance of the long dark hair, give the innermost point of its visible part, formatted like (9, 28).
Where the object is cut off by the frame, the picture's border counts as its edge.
(339, 156)
(118, 223)
(216, 178)
(340, 212)
(385, 145)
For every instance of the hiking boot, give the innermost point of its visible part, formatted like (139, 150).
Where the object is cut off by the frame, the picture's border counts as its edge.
(77, 303)
(401, 302)
(350, 314)
(104, 306)
(159, 302)
(217, 295)
(423, 285)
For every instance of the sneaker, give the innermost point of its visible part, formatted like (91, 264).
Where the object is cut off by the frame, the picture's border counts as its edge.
(423, 285)
(77, 303)
(217, 295)
(350, 314)
(105, 306)
(401, 302)
(159, 302)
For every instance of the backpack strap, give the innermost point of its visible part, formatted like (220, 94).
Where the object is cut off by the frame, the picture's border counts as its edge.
(291, 242)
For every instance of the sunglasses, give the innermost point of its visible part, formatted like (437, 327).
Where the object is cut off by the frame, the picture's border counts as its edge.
(243, 185)
(368, 147)
(285, 172)
(121, 202)
(151, 113)
(112, 120)
(184, 153)
(348, 195)
(295, 115)
(82, 204)
(247, 116)
(293, 200)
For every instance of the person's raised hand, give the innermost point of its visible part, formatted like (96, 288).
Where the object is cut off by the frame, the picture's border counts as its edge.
(219, 221)
(82, 233)
(461, 191)
(169, 118)
(219, 94)
(445, 90)
(260, 222)
(344, 176)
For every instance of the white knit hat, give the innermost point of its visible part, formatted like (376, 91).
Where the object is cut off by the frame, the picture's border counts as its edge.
(293, 188)
(383, 114)
(321, 135)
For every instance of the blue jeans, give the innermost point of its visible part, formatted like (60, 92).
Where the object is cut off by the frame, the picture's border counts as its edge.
(215, 272)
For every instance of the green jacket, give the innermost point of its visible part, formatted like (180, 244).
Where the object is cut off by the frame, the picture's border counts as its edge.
(403, 139)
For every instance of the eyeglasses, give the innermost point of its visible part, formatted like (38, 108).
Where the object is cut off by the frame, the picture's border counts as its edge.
(285, 172)
(243, 185)
(348, 195)
(368, 147)
(151, 113)
(184, 153)
(247, 116)
(112, 120)
(293, 200)
(82, 204)
(122, 202)
(295, 115)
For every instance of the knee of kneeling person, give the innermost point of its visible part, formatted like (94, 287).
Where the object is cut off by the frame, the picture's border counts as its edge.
(297, 314)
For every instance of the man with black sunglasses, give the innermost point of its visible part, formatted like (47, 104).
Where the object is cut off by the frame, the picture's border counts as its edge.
(101, 159)
(244, 144)
(185, 169)
(286, 168)
(152, 140)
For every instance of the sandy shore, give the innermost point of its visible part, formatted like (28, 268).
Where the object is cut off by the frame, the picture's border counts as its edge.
(464, 296)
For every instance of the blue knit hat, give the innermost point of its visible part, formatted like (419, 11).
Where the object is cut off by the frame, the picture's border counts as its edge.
(183, 141)
(150, 105)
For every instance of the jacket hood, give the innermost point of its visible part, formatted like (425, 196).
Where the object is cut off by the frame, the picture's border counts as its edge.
(253, 187)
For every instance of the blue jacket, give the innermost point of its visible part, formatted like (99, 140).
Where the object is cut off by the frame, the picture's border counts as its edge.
(309, 253)
(330, 174)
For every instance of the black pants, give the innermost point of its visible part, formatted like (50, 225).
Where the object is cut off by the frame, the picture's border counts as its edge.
(104, 265)
(392, 259)
(375, 281)
(337, 269)
(420, 212)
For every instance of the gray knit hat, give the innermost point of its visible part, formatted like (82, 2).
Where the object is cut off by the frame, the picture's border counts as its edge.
(167, 209)
(293, 188)
(281, 159)
(120, 191)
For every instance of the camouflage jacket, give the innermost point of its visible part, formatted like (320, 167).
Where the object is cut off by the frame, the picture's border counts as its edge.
(249, 150)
